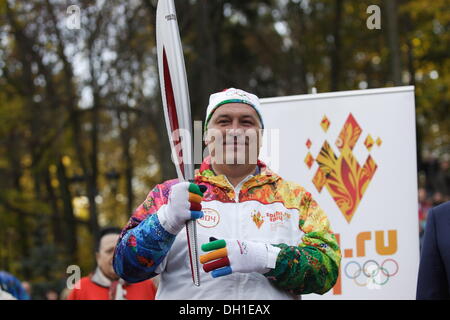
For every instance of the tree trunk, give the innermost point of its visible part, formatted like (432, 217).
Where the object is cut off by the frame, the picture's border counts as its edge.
(393, 41)
(70, 224)
(92, 185)
(58, 238)
(21, 220)
(336, 51)
(125, 134)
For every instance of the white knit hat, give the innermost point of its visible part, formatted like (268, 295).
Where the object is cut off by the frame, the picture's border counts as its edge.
(232, 95)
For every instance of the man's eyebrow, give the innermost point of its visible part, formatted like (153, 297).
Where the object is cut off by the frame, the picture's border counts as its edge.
(223, 116)
(244, 116)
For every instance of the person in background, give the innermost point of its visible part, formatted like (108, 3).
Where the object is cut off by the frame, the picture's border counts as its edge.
(11, 286)
(438, 198)
(104, 284)
(434, 269)
(51, 295)
(442, 179)
(424, 206)
(64, 295)
(28, 288)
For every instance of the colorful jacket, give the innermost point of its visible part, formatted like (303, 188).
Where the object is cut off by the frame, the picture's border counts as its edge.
(264, 208)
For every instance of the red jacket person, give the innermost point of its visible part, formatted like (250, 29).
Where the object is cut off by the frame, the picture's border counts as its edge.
(104, 284)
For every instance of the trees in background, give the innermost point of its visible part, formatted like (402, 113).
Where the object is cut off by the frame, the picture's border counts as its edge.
(81, 127)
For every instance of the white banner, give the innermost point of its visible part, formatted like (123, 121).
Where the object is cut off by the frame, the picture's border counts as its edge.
(355, 151)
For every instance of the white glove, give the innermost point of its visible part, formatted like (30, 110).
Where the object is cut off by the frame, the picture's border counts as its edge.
(228, 256)
(184, 204)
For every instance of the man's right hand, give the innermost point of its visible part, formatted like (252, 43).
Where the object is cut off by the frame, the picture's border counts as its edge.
(184, 204)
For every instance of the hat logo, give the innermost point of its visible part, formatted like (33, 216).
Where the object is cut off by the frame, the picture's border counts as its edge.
(238, 93)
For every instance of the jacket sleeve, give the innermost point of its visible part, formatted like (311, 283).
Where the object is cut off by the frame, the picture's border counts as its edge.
(313, 265)
(432, 280)
(144, 243)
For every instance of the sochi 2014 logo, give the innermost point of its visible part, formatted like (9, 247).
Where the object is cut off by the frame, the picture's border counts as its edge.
(345, 179)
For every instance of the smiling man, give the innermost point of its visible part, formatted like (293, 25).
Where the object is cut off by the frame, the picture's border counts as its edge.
(262, 236)
(233, 139)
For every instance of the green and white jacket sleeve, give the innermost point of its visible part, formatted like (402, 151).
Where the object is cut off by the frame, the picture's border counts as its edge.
(313, 265)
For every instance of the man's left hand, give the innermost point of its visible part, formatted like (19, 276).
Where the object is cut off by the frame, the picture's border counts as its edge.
(228, 256)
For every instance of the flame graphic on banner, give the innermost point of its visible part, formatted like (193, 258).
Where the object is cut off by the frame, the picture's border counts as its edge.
(345, 179)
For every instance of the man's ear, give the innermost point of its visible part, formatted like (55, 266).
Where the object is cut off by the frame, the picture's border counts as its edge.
(206, 139)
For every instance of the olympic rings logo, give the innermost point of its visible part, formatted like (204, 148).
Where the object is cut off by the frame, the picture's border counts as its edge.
(375, 275)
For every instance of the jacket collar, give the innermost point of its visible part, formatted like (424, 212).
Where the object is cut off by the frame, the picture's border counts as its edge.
(116, 288)
(263, 176)
(98, 277)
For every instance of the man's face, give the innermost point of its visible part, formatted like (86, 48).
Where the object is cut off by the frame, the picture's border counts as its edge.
(233, 135)
(105, 255)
